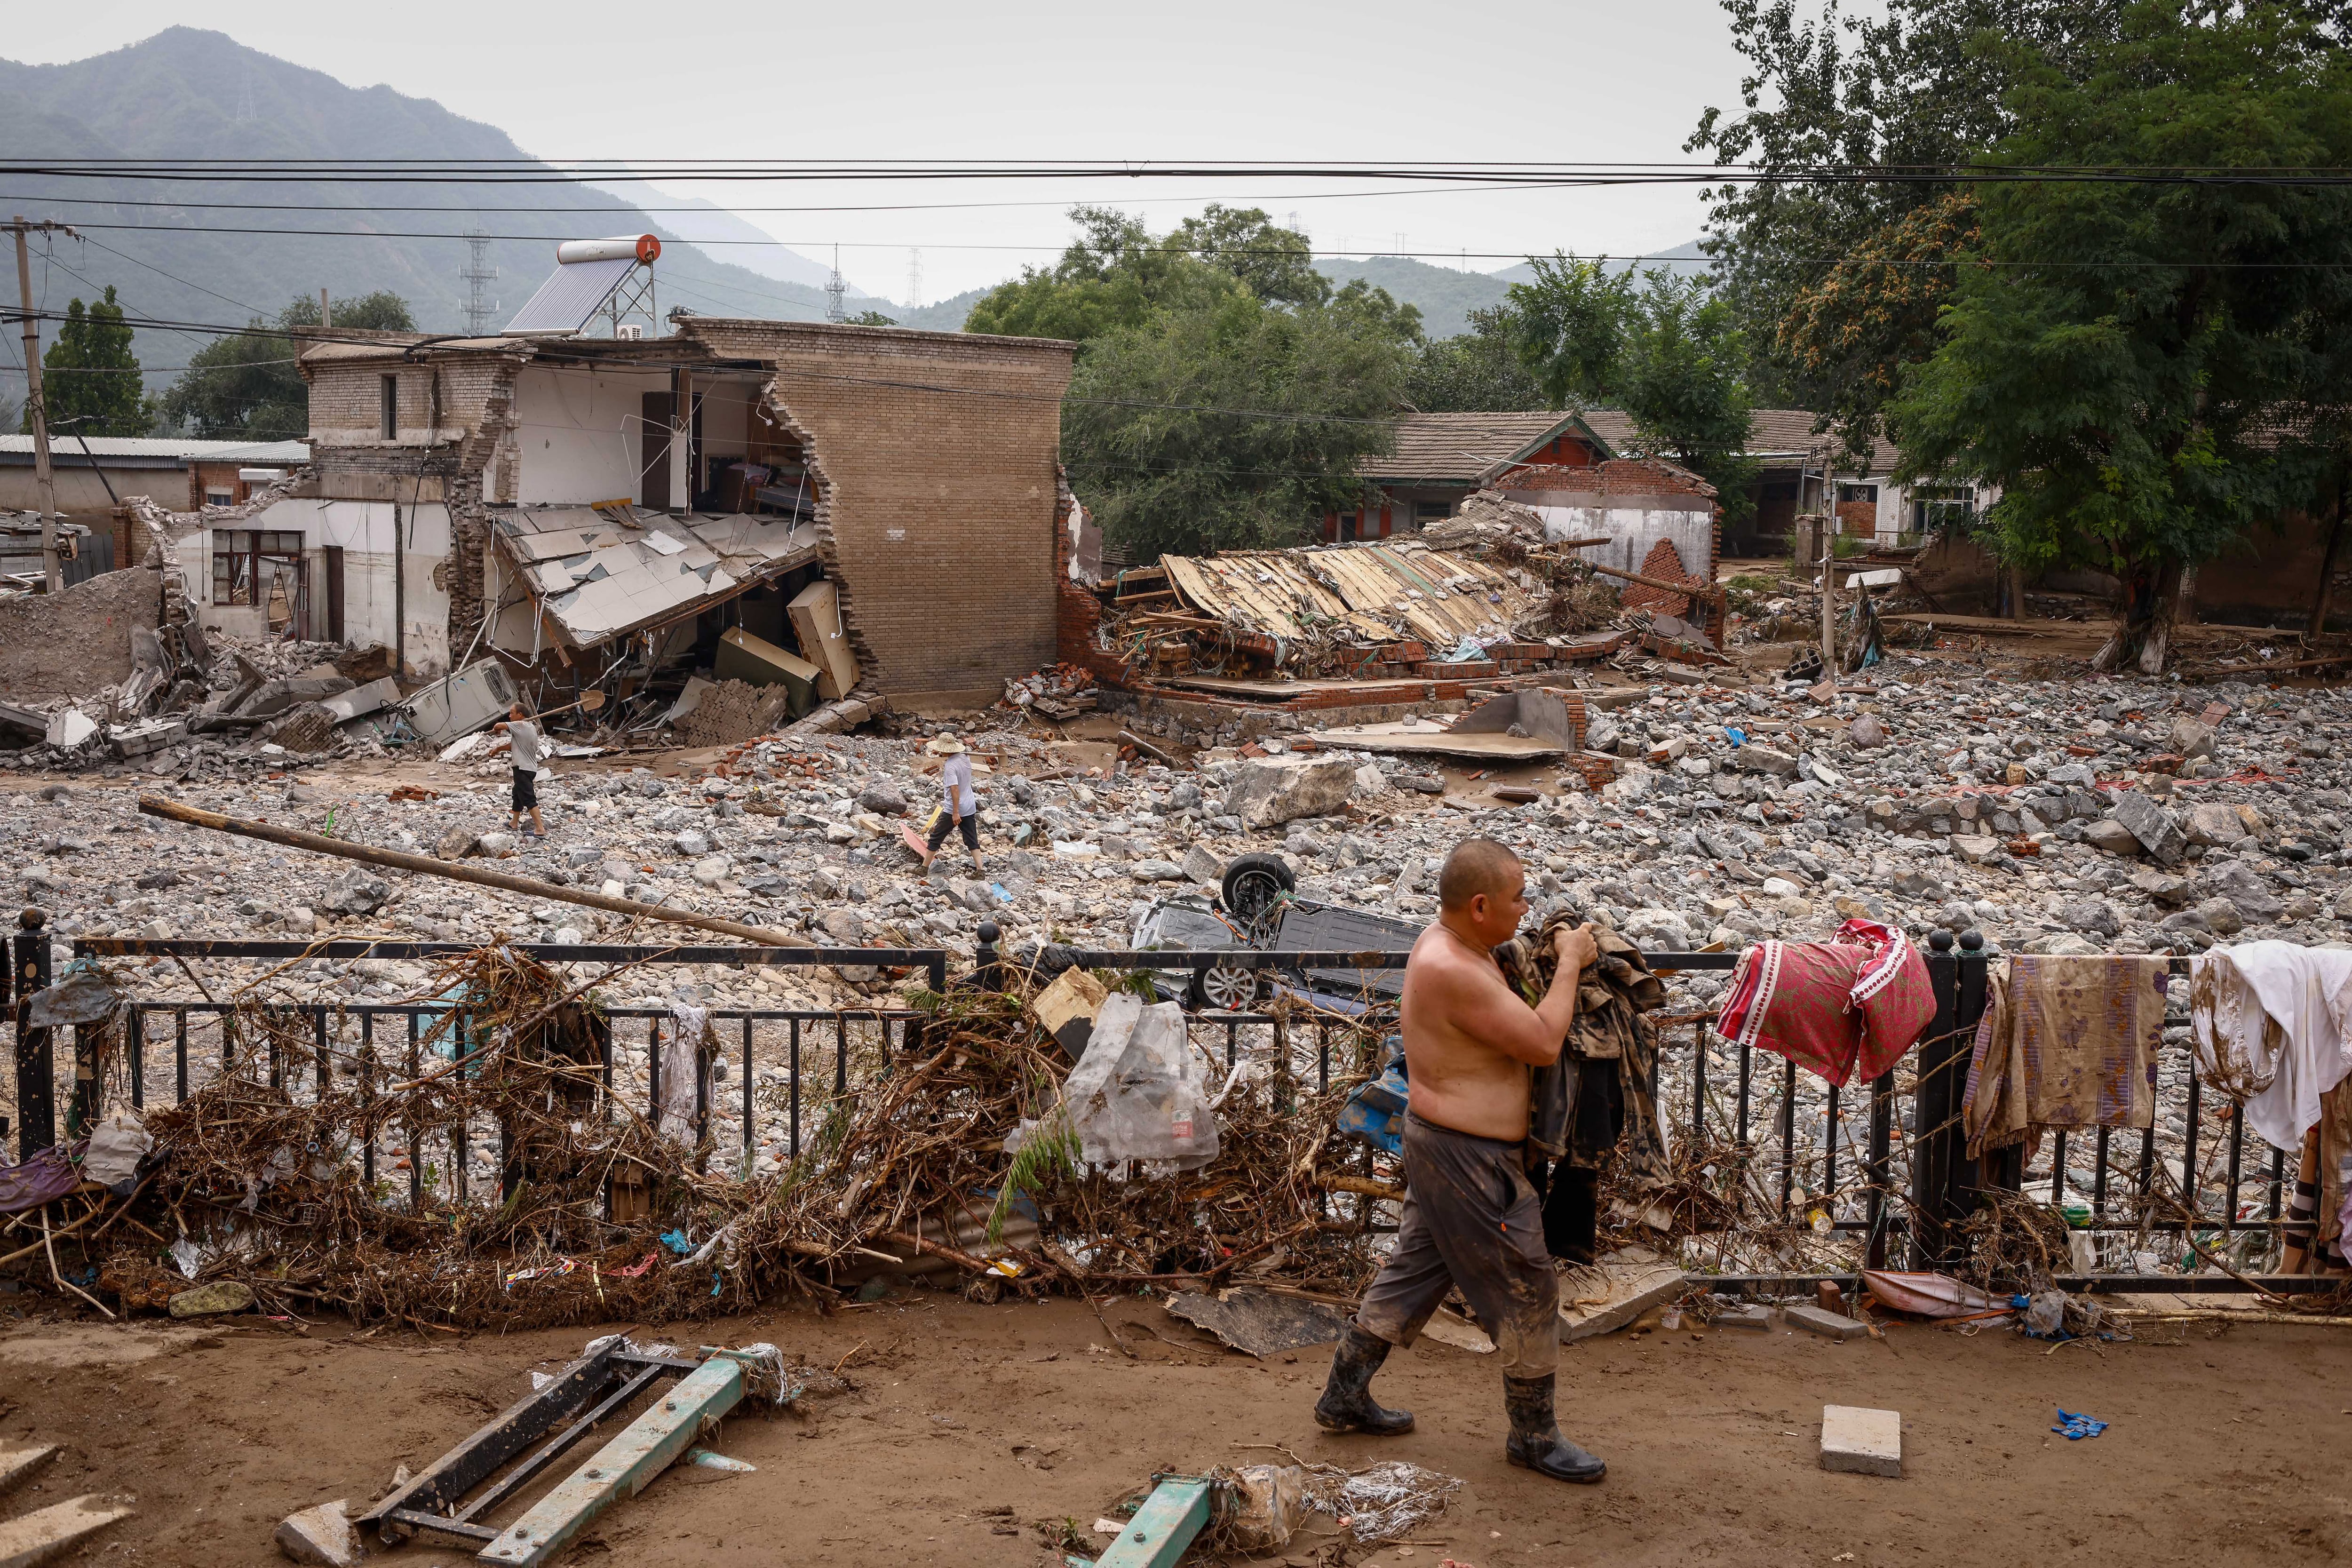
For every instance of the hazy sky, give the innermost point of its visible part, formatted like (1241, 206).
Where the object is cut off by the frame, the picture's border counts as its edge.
(1480, 80)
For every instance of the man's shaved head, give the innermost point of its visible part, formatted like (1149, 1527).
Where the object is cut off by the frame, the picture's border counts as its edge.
(1476, 866)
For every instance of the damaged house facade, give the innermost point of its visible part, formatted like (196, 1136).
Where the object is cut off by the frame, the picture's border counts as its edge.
(608, 511)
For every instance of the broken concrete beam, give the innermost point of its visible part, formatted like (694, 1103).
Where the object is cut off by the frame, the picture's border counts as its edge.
(16, 1465)
(1603, 1296)
(1861, 1442)
(1827, 1325)
(321, 1534)
(38, 1537)
(274, 697)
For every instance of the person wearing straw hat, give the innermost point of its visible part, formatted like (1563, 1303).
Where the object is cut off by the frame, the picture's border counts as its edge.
(962, 807)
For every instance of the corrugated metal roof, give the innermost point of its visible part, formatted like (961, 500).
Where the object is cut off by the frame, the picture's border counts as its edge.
(604, 571)
(164, 447)
(1375, 593)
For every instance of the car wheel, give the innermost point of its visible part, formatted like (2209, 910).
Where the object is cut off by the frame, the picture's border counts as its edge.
(1228, 988)
(1254, 884)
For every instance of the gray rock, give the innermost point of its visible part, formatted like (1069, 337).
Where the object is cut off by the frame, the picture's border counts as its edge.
(1866, 731)
(2151, 825)
(692, 844)
(455, 844)
(1753, 758)
(582, 854)
(882, 799)
(711, 870)
(845, 927)
(2191, 738)
(2111, 835)
(355, 893)
(1156, 871)
(1267, 792)
(496, 844)
(1201, 866)
(323, 1534)
(2164, 889)
(2243, 888)
(2220, 917)
(2095, 915)
(1977, 848)
(2211, 823)
(155, 881)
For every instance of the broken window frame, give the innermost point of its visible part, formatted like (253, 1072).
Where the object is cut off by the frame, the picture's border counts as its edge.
(237, 556)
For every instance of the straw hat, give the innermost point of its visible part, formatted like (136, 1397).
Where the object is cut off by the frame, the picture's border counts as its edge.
(945, 746)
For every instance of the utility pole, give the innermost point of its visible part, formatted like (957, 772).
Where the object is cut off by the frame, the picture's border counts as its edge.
(325, 312)
(36, 414)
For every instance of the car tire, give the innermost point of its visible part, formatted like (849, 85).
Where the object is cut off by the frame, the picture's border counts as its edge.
(1252, 884)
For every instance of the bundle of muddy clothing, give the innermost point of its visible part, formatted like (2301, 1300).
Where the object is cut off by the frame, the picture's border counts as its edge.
(1600, 1099)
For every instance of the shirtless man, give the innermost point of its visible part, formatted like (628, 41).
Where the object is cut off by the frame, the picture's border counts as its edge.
(1471, 1218)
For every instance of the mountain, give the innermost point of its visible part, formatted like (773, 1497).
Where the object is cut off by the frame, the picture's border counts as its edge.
(1690, 253)
(946, 316)
(1446, 297)
(188, 94)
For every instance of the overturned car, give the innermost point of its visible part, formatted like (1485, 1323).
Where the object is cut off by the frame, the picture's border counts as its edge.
(1258, 907)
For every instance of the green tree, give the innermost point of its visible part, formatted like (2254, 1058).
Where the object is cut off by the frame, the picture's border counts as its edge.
(90, 383)
(1223, 392)
(1665, 351)
(1836, 282)
(246, 386)
(1476, 371)
(2147, 368)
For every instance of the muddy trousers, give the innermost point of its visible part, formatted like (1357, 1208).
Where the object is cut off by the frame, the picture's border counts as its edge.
(1471, 1222)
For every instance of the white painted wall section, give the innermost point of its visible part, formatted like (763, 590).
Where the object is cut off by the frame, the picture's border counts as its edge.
(577, 433)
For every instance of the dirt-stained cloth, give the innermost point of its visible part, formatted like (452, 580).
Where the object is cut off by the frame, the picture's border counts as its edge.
(1471, 1222)
(1848, 1007)
(1568, 1119)
(2064, 1042)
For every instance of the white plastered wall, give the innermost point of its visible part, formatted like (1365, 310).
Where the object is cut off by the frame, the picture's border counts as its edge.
(366, 532)
(576, 432)
(1633, 532)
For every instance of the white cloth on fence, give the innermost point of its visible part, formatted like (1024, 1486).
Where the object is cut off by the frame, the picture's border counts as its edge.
(675, 1116)
(2273, 1023)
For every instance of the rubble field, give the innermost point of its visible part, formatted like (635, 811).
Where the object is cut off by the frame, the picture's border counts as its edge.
(965, 1429)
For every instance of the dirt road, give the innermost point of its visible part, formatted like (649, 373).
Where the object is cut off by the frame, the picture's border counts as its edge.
(2224, 1449)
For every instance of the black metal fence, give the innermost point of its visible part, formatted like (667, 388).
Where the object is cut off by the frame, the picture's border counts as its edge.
(1902, 1176)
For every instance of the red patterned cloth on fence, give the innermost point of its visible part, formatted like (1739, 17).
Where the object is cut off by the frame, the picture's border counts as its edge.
(2064, 1042)
(1850, 1005)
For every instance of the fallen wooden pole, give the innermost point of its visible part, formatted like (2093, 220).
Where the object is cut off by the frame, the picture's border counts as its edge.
(1147, 747)
(1687, 590)
(426, 866)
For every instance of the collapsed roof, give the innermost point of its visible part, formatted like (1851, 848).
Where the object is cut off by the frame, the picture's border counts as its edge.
(595, 572)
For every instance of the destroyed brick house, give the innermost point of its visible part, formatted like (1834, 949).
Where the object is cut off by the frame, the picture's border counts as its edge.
(93, 476)
(852, 505)
(1439, 458)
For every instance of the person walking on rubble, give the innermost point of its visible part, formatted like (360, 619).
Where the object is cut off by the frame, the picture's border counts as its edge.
(962, 807)
(1471, 1218)
(528, 748)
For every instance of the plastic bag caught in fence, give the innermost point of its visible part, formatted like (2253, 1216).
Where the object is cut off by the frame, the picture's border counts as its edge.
(1139, 1093)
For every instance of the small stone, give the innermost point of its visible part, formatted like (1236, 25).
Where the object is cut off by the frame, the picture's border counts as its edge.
(1861, 1442)
(840, 833)
(691, 844)
(882, 799)
(613, 887)
(2191, 738)
(845, 927)
(2162, 888)
(455, 844)
(2220, 917)
(1756, 759)
(496, 844)
(2095, 915)
(580, 855)
(711, 871)
(2213, 824)
(1156, 871)
(1976, 848)
(1866, 731)
(1201, 866)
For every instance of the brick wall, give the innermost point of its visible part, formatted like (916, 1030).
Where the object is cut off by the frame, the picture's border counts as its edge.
(935, 454)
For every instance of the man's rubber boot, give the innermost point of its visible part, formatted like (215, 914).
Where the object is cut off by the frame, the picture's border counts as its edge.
(1535, 1443)
(1346, 1405)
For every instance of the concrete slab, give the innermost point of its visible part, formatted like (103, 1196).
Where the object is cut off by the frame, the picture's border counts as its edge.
(16, 1465)
(1861, 1442)
(1827, 1325)
(1603, 1296)
(1745, 1315)
(38, 1537)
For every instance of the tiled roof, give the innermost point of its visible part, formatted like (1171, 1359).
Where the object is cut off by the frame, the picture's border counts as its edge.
(600, 572)
(1461, 446)
(1772, 432)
